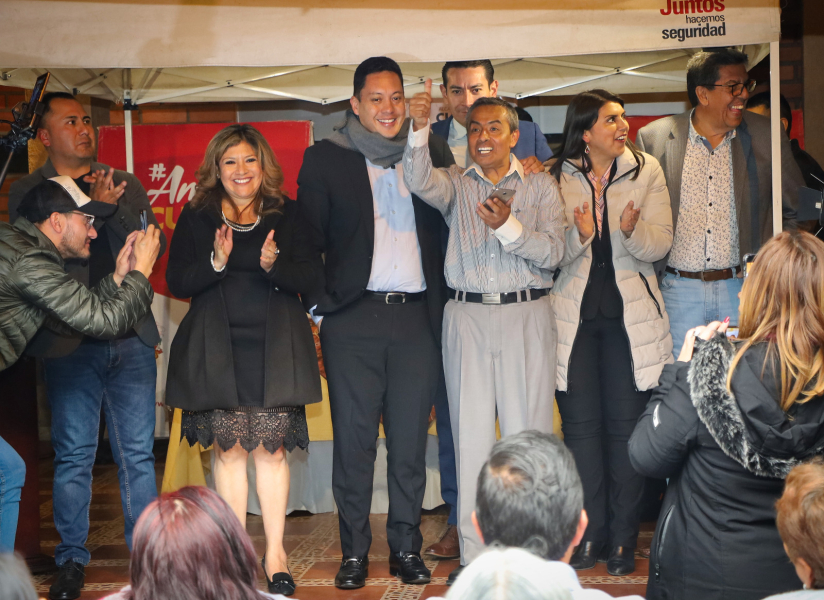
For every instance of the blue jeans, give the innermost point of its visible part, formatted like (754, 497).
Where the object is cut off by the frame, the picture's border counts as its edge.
(121, 376)
(692, 302)
(12, 476)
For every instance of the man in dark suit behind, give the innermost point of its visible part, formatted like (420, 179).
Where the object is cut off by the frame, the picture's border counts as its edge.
(717, 162)
(82, 374)
(379, 308)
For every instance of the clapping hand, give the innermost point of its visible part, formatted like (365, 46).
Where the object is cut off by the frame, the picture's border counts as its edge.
(420, 107)
(103, 188)
(629, 218)
(223, 247)
(269, 252)
(584, 222)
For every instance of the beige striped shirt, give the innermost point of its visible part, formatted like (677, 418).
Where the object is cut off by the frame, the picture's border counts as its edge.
(523, 253)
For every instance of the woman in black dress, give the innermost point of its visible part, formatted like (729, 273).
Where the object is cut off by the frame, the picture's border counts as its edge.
(243, 363)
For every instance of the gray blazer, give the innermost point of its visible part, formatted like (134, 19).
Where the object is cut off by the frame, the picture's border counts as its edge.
(48, 344)
(666, 139)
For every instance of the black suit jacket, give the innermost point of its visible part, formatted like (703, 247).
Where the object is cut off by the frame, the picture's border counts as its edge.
(336, 196)
(47, 343)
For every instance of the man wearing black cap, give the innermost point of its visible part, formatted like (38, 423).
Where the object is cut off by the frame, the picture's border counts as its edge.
(56, 225)
(84, 374)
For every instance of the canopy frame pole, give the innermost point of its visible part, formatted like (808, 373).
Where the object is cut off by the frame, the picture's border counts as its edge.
(775, 136)
(127, 121)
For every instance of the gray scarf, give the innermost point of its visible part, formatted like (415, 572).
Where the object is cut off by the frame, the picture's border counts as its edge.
(381, 151)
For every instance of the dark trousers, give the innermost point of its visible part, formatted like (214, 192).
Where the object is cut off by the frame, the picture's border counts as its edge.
(446, 452)
(598, 415)
(381, 360)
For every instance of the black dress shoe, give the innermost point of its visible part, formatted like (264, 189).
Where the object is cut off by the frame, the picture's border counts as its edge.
(454, 574)
(585, 555)
(70, 578)
(280, 583)
(409, 567)
(353, 572)
(621, 561)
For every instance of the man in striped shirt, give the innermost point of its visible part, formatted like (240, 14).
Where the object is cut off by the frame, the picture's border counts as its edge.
(499, 332)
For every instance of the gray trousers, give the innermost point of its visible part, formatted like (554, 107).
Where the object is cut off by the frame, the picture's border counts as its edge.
(495, 357)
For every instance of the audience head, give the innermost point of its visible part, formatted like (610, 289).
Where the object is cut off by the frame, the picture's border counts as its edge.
(239, 164)
(66, 130)
(530, 496)
(15, 581)
(464, 82)
(595, 128)
(491, 132)
(782, 304)
(64, 214)
(378, 99)
(189, 545)
(718, 87)
(760, 104)
(508, 574)
(800, 519)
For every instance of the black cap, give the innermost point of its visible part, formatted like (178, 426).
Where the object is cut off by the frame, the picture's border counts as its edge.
(60, 194)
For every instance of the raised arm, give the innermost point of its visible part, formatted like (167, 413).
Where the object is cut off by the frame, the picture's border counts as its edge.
(103, 313)
(189, 270)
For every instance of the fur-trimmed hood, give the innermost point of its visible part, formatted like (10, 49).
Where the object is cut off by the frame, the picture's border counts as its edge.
(748, 423)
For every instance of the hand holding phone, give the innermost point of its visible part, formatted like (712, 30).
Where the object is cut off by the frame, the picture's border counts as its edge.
(502, 194)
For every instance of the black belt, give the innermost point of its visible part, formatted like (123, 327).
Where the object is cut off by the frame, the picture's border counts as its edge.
(506, 298)
(716, 275)
(395, 297)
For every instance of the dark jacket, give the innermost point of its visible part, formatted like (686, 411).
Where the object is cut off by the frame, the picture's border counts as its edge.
(726, 455)
(35, 289)
(335, 193)
(666, 139)
(49, 344)
(201, 369)
(531, 141)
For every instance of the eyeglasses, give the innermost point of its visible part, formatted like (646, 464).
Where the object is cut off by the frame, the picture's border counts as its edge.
(736, 88)
(89, 218)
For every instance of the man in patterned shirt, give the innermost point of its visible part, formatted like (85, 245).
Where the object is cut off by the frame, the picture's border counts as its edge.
(716, 159)
(499, 331)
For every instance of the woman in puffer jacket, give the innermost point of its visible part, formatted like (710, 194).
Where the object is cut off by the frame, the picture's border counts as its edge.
(728, 423)
(613, 331)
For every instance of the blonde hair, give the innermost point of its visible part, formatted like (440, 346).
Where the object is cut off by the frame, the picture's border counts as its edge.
(210, 192)
(511, 574)
(782, 304)
(800, 516)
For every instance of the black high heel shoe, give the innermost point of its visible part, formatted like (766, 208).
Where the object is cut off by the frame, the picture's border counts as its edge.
(281, 583)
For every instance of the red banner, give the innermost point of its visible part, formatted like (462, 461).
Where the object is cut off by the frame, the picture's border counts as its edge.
(166, 158)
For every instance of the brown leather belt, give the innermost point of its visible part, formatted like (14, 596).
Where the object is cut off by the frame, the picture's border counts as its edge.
(718, 275)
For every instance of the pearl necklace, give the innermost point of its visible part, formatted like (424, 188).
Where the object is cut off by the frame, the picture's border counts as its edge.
(237, 227)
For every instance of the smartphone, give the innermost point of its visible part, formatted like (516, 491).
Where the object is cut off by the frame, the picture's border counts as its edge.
(748, 260)
(502, 194)
(144, 220)
(732, 333)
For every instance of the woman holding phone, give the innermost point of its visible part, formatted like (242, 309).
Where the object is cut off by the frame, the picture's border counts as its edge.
(728, 423)
(613, 331)
(243, 363)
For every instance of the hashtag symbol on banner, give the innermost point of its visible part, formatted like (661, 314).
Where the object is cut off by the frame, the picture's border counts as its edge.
(157, 171)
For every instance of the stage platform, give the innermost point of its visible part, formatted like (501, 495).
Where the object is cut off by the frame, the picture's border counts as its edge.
(311, 541)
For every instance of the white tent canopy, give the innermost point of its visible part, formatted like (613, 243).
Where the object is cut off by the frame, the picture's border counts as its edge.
(238, 50)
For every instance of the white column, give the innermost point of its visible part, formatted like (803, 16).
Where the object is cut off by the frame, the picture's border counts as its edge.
(775, 135)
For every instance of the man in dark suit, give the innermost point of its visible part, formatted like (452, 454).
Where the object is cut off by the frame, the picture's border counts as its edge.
(84, 374)
(717, 162)
(379, 306)
(463, 83)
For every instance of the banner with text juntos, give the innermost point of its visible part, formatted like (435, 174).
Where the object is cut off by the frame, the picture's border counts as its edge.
(166, 158)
